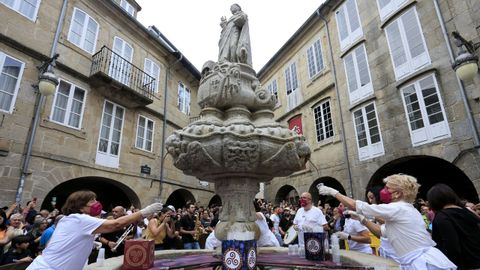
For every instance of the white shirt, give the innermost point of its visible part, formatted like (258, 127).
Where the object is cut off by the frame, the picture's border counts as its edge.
(276, 222)
(404, 226)
(70, 245)
(354, 227)
(313, 218)
(212, 242)
(267, 238)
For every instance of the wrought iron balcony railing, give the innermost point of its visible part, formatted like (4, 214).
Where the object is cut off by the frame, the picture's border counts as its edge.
(110, 64)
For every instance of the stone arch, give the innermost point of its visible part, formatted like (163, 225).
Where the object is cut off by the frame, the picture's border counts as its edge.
(109, 192)
(429, 171)
(287, 193)
(215, 200)
(328, 181)
(179, 198)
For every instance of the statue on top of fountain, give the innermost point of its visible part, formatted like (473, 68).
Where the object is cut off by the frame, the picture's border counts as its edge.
(234, 44)
(232, 82)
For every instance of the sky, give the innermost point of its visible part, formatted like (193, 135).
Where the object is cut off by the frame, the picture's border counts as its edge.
(193, 26)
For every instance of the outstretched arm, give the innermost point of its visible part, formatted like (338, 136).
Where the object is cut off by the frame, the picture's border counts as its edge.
(347, 201)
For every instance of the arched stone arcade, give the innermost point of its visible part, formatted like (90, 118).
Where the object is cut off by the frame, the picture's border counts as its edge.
(215, 201)
(429, 171)
(328, 181)
(179, 198)
(287, 193)
(109, 192)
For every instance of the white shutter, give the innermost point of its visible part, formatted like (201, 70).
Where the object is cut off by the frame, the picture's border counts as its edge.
(407, 45)
(148, 66)
(363, 72)
(397, 50)
(388, 7)
(354, 21)
(342, 27)
(414, 37)
(348, 23)
(434, 113)
(424, 111)
(293, 68)
(350, 72)
(358, 74)
(318, 55)
(311, 62)
(288, 80)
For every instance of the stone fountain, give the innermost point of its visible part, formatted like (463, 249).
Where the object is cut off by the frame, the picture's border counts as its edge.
(236, 143)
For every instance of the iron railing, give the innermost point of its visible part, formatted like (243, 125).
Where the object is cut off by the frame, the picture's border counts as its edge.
(111, 64)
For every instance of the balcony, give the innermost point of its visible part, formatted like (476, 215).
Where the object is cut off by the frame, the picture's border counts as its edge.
(121, 81)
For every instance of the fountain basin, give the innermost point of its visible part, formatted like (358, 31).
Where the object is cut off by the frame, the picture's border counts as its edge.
(272, 257)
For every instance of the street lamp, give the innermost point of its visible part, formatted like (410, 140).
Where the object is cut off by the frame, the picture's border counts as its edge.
(47, 83)
(466, 63)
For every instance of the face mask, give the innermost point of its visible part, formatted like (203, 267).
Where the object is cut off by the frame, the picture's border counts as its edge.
(95, 209)
(303, 202)
(385, 195)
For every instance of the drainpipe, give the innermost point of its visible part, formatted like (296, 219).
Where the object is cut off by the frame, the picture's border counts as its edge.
(38, 107)
(459, 82)
(344, 140)
(164, 132)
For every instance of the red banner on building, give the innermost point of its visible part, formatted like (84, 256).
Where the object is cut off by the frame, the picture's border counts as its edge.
(295, 124)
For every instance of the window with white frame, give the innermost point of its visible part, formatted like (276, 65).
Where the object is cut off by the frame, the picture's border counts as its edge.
(407, 44)
(358, 74)
(127, 7)
(152, 69)
(144, 133)
(120, 63)
(348, 23)
(110, 137)
(388, 7)
(424, 111)
(183, 99)
(10, 77)
(293, 92)
(315, 59)
(68, 105)
(272, 87)
(83, 31)
(323, 121)
(28, 8)
(367, 131)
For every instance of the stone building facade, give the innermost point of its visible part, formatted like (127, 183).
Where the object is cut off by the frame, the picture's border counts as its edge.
(107, 118)
(371, 87)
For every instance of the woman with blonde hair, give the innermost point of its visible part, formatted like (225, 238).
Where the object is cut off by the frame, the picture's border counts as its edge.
(403, 226)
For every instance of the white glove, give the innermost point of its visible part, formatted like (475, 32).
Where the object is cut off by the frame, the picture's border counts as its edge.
(307, 228)
(342, 235)
(324, 190)
(151, 209)
(356, 216)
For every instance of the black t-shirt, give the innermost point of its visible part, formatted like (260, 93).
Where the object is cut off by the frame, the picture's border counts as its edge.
(12, 256)
(187, 223)
(457, 234)
(285, 224)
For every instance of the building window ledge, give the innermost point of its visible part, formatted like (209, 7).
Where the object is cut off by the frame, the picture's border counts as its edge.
(71, 131)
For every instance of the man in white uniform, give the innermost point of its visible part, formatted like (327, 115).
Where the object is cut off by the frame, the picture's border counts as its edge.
(308, 218)
(275, 218)
(357, 236)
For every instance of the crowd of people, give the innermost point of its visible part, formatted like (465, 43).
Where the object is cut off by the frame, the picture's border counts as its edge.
(440, 230)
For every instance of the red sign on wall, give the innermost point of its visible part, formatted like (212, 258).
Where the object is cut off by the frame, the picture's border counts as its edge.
(295, 124)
